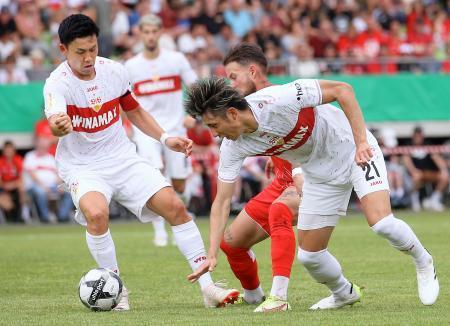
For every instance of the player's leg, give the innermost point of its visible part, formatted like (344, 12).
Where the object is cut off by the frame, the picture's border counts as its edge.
(440, 180)
(177, 168)
(321, 204)
(372, 188)
(152, 151)
(91, 196)
(238, 239)
(189, 241)
(94, 207)
(282, 215)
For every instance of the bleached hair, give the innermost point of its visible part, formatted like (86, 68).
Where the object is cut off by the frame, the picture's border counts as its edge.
(213, 95)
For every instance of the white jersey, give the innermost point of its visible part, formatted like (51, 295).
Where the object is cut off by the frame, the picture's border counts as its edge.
(98, 137)
(294, 126)
(157, 84)
(43, 167)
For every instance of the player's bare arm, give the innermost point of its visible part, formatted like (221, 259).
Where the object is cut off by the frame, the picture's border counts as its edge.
(220, 210)
(343, 93)
(60, 124)
(148, 125)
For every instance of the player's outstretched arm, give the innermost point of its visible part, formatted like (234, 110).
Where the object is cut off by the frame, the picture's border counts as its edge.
(60, 124)
(220, 210)
(343, 93)
(148, 125)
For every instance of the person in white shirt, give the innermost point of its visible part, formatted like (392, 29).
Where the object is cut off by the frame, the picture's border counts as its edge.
(157, 76)
(337, 153)
(98, 162)
(43, 182)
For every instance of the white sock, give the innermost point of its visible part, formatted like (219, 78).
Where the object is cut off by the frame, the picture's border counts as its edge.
(253, 296)
(103, 250)
(325, 269)
(190, 242)
(280, 287)
(402, 237)
(159, 226)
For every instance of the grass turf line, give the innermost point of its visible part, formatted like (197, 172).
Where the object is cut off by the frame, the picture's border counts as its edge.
(40, 267)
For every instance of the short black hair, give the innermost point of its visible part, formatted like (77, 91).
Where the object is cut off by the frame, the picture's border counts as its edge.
(76, 26)
(213, 95)
(246, 53)
(8, 143)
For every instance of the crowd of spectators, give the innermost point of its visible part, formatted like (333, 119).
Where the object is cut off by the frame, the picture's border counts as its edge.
(300, 37)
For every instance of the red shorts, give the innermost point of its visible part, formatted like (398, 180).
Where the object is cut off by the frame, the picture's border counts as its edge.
(258, 207)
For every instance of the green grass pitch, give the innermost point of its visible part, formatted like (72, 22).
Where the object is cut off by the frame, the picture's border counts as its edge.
(40, 267)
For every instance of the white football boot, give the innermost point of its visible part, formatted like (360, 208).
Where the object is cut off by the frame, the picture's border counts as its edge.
(216, 296)
(123, 304)
(428, 284)
(335, 302)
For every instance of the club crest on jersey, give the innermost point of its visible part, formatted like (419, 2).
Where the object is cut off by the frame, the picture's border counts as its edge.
(96, 107)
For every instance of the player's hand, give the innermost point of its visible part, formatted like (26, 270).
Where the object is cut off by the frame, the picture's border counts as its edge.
(63, 124)
(269, 168)
(180, 144)
(363, 154)
(208, 266)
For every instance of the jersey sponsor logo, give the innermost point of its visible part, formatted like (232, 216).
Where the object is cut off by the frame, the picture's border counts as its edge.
(95, 119)
(374, 183)
(299, 91)
(298, 135)
(157, 86)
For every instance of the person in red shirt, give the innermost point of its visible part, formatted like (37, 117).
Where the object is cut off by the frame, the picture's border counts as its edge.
(204, 157)
(11, 183)
(42, 130)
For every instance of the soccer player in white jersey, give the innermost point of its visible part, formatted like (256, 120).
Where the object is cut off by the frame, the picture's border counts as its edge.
(337, 154)
(98, 162)
(272, 212)
(157, 75)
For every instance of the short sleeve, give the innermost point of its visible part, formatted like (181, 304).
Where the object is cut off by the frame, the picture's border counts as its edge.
(306, 92)
(188, 75)
(127, 101)
(230, 162)
(54, 99)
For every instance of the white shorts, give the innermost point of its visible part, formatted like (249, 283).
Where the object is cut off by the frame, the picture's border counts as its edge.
(332, 200)
(175, 164)
(131, 182)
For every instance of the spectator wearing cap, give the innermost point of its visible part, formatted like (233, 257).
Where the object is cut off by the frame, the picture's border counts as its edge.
(426, 168)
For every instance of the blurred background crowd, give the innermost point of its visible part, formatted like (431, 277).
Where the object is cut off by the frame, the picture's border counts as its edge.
(300, 37)
(304, 38)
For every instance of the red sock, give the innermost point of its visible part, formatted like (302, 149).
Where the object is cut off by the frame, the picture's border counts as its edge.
(282, 239)
(243, 264)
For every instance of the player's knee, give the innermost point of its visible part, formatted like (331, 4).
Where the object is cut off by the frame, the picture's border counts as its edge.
(97, 219)
(176, 213)
(232, 252)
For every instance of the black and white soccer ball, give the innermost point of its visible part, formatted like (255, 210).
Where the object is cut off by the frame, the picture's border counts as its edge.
(100, 289)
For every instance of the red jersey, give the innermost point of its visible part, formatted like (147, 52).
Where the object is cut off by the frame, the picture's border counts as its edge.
(11, 170)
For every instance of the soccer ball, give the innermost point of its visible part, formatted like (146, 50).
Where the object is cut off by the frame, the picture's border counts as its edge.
(100, 289)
